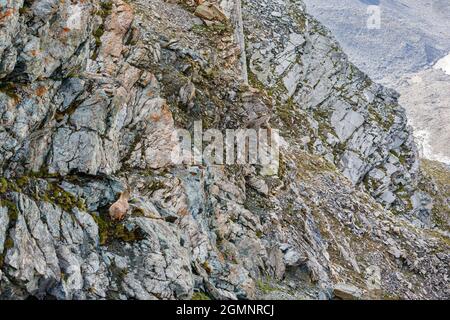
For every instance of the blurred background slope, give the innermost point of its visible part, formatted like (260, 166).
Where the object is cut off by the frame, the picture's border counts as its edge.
(410, 52)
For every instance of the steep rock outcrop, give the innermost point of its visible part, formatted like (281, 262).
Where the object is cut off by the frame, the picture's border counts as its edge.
(355, 123)
(80, 124)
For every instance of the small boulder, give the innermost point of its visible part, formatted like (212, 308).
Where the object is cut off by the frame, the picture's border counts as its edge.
(259, 185)
(345, 291)
(210, 11)
(293, 259)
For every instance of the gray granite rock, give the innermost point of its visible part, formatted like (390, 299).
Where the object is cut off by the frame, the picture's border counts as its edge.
(88, 107)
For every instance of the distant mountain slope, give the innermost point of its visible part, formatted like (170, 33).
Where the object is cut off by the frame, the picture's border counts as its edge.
(443, 64)
(410, 52)
(427, 100)
(413, 34)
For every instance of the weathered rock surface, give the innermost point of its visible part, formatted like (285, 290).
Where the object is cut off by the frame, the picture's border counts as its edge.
(210, 11)
(406, 47)
(347, 292)
(88, 107)
(353, 122)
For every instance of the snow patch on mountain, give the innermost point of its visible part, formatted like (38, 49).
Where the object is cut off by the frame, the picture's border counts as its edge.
(444, 64)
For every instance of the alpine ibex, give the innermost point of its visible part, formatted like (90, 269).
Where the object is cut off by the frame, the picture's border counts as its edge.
(119, 209)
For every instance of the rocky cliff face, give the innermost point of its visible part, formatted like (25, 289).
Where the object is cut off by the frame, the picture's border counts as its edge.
(90, 94)
(403, 51)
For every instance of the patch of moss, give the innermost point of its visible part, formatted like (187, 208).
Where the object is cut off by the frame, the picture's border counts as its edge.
(376, 116)
(13, 212)
(81, 204)
(122, 273)
(3, 185)
(221, 28)
(123, 234)
(105, 9)
(9, 243)
(98, 34)
(61, 198)
(401, 157)
(390, 296)
(265, 287)
(103, 227)
(371, 184)
(23, 181)
(299, 19)
(73, 74)
(12, 186)
(282, 167)
(54, 193)
(109, 230)
(42, 173)
(155, 185)
(64, 276)
(254, 81)
(308, 165)
(199, 28)
(200, 296)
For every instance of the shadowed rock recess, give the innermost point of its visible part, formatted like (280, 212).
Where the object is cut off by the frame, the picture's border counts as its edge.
(90, 93)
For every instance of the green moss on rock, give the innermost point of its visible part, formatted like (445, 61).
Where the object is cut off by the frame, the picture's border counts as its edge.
(265, 287)
(61, 198)
(3, 185)
(9, 243)
(105, 9)
(200, 296)
(13, 212)
(53, 194)
(109, 230)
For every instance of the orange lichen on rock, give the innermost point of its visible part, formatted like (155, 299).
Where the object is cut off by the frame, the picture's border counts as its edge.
(41, 91)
